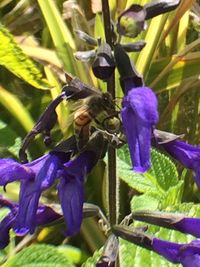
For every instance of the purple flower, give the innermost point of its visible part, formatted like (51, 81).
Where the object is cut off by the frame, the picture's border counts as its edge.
(39, 175)
(187, 154)
(35, 177)
(170, 220)
(139, 116)
(71, 189)
(186, 254)
(188, 225)
(44, 215)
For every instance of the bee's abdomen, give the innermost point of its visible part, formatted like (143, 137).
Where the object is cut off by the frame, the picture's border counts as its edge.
(82, 118)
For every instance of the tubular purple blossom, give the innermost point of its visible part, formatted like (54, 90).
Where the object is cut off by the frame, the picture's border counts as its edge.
(186, 254)
(71, 189)
(187, 154)
(139, 116)
(44, 215)
(39, 175)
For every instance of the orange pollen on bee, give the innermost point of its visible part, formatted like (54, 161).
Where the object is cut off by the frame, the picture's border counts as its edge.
(82, 118)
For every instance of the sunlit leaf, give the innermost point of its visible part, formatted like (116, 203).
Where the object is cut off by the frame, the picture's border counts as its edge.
(38, 255)
(9, 141)
(13, 58)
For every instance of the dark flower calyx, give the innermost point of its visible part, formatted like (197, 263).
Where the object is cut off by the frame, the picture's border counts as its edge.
(159, 7)
(103, 65)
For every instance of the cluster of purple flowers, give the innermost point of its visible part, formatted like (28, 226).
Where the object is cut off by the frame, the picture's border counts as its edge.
(37, 176)
(139, 116)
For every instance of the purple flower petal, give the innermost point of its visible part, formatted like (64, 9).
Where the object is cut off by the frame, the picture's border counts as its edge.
(186, 254)
(81, 165)
(71, 194)
(10, 171)
(30, 192)
(189, 255)
(139, 115)
(28, 203)
(71, 190)
(167, 249)
(187, 154)
(46, 214)
(189, 225)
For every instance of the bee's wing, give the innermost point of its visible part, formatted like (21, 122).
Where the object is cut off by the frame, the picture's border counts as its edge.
(76, 90)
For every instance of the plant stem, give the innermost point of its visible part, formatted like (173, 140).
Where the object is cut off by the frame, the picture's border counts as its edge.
(113, 191)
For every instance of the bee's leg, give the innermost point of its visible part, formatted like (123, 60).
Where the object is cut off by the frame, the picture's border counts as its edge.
(82, 136)
(44, 125)
(97, 143)
(117, 141)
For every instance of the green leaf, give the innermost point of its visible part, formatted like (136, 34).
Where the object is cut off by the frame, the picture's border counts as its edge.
(72, 253)
(99, 28)
(152, 37)
(163, 169)
(172, 196)
(148, 201)
(40, 256)
(190, 209)
(135, 180)
(124, 154)
(91, 262)
(160, 184)
(160, 177)
(13, 58)
(9, 141)
(155, 200)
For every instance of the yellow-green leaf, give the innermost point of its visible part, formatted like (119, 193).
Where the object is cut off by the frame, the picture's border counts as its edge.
(13, 58)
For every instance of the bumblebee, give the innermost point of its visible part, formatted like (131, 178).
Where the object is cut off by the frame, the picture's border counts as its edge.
(96, 112)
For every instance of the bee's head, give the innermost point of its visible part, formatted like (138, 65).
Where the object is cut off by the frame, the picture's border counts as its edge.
(107, 101)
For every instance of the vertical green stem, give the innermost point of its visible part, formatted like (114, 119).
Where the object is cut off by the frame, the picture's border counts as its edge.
(112, 175)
